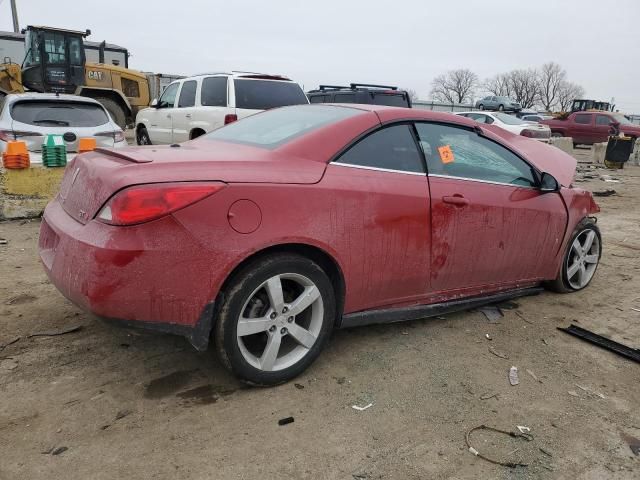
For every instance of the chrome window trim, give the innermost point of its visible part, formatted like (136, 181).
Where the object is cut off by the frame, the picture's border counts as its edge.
(378, 169)
(482, 181)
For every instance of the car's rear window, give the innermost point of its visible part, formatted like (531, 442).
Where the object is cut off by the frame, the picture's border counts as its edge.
(265, 94)
(59, 113)
(276, 127)
(391, 99)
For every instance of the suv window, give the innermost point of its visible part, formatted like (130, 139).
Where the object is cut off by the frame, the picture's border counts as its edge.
(390, 99)
(345, 98)
(462, 153)
(168, 97)
(318, 98)
(391, 148)
(266, 94)
(59, 113)
(583, 118)
(214, 92)
(188, 94)
(603, 120)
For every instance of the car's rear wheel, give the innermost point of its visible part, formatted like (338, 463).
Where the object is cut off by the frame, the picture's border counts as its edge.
(500, 107)
(581, 258)
(276, 315)
(481, 107)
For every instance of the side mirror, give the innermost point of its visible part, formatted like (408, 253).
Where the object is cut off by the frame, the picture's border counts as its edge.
(154, 103)
(548, 183)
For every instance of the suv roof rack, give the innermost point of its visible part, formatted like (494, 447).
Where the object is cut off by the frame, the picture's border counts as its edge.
(371, 85)
(330, 87)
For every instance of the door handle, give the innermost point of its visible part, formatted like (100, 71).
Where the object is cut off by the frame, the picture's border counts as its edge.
(188, 115)
(457, 200)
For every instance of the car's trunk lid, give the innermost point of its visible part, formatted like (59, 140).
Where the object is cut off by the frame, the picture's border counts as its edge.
(35, 136)
(92, 178)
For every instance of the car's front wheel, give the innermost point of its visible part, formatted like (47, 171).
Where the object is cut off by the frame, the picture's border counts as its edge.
(276, 315)
(581, 258)
(142, 136)
(481, 107)
(501, 107)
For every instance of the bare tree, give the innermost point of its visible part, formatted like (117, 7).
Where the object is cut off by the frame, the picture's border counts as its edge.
(552, 79)
(455, 86)
(498, 85)
(525, 87)
(567, 92)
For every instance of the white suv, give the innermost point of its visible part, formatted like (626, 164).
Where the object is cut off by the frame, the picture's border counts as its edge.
(193, 106)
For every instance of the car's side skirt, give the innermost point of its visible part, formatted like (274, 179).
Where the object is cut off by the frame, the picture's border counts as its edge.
(416, 312)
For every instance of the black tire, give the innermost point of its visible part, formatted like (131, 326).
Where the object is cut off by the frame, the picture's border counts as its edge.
(196, 133)
(481, 107)
(500, 108)
(142, 136)
(115, 110)
(239, 291)
(561, 283)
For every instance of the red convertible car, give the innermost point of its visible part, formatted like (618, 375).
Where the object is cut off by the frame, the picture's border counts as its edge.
(267, 234)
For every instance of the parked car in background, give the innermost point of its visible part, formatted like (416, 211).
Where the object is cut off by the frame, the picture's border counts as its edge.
(498, 103)
(31, 116)
(537, 117)
(592, 127)
(193, 106)
(511, 124)
(268, 233)
(361, 93)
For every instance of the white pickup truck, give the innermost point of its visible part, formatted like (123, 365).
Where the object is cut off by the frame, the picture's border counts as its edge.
(193, 106)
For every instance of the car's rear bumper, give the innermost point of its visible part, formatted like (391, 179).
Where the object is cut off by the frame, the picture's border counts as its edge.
(149, 275)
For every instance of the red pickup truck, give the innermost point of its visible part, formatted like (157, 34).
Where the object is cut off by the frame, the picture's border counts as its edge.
(592, 127)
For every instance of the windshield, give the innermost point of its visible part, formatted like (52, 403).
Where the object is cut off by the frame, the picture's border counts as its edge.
(621, 119)
(59, 113)
(508, 119)
(277, 127)
(266, 94)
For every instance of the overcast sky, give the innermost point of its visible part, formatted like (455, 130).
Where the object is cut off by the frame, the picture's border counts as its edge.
(400, 42)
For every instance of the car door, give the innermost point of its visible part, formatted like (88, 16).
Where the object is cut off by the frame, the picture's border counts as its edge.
(491, 226)
(160, 122)
(181, 117)
(582, 128)
(384, 213)
(603, 128)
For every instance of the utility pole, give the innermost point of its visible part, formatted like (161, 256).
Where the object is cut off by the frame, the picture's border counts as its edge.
(14, 14)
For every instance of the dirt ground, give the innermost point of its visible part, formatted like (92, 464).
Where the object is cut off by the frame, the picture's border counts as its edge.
(129, 404)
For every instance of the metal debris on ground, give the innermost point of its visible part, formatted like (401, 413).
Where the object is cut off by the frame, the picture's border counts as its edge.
(55, 451)
(285, 421)
(488, 337)
(498, 354)
(4, 241)
(525, 436)
(53, 333)
(603, 342)
(590, 392)
(492, 312)
(523, 429)
(513, 376)
(298, 386)
(360, 409)
(533, 375)
(604, 193)
(545, 451)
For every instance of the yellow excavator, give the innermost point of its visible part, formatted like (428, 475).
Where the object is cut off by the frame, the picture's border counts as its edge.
(55, 61)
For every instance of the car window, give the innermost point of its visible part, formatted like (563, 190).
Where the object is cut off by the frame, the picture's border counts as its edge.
(317, 98)
(390, 99)
(392, 148)
(168, 97)
(460, 152)
(345, 98)
(188, 94)
(508, 119)
(583, 118)
(276, 127)
(59, 113)
(266, 94)
(494, 99)
(214, 92)
(603, 120)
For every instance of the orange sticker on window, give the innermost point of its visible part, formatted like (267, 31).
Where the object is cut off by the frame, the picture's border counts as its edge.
(446, 155)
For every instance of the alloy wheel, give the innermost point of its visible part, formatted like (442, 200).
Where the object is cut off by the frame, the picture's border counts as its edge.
(280, 322)
(583, 259)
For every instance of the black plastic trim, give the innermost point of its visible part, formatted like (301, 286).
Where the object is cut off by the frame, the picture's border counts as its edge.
(392, 315)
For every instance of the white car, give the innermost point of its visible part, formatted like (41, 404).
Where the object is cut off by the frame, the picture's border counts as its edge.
(193, 106)
(31, 116)
(511, 124)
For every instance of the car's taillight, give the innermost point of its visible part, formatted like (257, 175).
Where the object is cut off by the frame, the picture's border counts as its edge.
(117, 135)
(11, 135)
(230, 118)
(143, 203)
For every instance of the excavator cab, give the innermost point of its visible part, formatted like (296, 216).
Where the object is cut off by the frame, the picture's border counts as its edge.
(54, 60)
